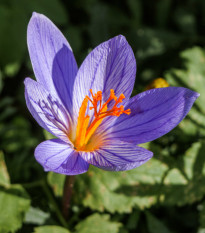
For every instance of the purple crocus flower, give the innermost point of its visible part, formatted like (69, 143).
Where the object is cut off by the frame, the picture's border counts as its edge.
(89, 109)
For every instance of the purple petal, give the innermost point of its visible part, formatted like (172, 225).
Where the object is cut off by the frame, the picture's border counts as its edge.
(153, 113)
(111, 65)
(47, 110)
(57, 156)
(52, 58)
(117, 156)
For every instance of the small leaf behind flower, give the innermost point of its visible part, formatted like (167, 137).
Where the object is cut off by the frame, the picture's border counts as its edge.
(97, 223)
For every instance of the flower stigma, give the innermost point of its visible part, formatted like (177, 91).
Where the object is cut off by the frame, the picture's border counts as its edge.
(86, 127)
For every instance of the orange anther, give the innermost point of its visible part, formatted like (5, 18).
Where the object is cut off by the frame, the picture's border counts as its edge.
(86, 129)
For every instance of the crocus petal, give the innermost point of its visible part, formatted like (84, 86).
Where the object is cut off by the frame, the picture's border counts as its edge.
(47, 110)
(153, 113)
(52, 58)
(117, 156)
(111, 65)
(57, 156)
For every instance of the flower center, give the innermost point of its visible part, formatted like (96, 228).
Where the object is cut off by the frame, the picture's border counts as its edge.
(87, 127)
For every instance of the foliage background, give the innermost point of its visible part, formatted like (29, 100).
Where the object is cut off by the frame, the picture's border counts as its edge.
(166, 195)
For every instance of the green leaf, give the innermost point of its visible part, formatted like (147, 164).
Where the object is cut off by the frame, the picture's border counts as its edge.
(36, 216)
(97, 223)
(155, 225)
(185, 184)
(56, 181)
(50, 229)
(112, 191)
(14, 203)
(4, 176)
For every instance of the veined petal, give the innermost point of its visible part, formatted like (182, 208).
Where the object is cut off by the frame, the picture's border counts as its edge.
(117, 156)
(47, 110)
(111, 65)
(57, 156)
(153, 113)
(52, 58)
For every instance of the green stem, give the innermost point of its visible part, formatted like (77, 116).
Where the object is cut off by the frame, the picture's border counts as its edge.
(67, 193)
(33, 184)
(57, 210)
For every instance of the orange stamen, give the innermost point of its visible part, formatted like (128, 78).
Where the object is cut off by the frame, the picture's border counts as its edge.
(82, 124)
(86, 129)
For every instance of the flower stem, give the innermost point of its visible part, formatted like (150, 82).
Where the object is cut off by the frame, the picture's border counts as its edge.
(67, 192)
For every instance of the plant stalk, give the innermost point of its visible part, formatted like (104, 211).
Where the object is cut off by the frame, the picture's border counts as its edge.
(67, 193)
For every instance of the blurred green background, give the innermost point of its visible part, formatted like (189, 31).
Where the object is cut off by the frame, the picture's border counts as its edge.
(166, 195)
